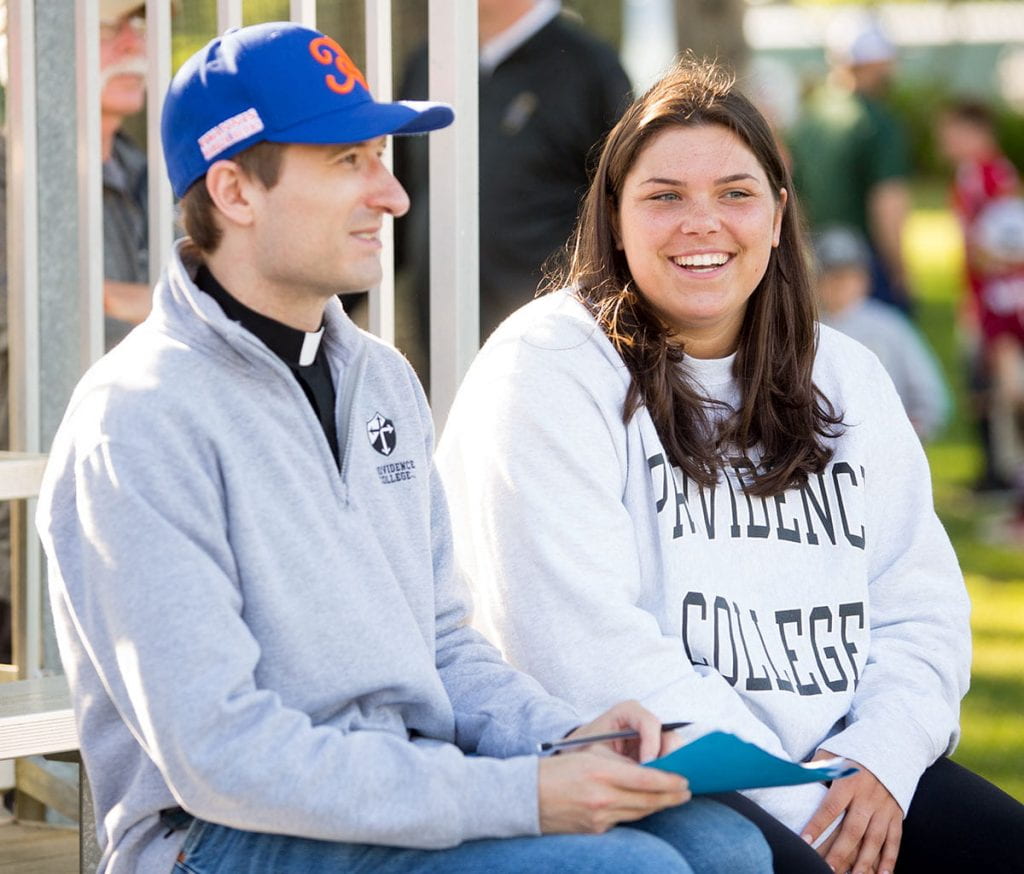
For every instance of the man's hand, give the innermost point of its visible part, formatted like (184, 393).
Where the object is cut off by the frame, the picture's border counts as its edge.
(868, 838)
(650, 744)
(587, 793)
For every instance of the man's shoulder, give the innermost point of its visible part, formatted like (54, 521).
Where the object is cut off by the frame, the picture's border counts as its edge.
(145, 389)
(149, 363)
(566, 42)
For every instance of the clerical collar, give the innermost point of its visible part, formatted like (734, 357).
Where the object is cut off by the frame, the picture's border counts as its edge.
(290, 344)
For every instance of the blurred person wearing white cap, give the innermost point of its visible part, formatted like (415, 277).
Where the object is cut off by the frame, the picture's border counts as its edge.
(850, 156)
(843, 263)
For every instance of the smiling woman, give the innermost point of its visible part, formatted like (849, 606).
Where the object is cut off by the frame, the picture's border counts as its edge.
(689, 247)
(668, 482)
(697, 222)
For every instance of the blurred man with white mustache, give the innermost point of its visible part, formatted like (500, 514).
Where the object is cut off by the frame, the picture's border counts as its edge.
(126, 290)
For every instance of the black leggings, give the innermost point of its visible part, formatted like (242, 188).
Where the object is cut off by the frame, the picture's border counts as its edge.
(958, 822)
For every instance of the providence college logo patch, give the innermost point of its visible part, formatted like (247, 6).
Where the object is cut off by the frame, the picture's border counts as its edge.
(381, 433)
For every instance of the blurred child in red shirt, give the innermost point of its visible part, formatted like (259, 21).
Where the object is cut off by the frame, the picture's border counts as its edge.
(986, 197)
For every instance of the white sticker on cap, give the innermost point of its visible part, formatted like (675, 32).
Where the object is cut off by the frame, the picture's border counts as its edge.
(230, 131)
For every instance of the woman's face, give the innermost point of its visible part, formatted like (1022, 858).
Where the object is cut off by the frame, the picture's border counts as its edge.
(697, 223)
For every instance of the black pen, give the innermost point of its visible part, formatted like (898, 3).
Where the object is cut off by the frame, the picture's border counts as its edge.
(550, 745)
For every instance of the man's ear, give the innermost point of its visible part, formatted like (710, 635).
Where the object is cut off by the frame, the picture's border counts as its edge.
(232, 192)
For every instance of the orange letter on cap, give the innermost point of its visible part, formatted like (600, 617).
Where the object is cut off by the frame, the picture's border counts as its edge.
(327, 51)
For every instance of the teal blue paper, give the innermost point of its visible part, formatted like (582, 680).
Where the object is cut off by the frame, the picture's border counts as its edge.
(721, 762)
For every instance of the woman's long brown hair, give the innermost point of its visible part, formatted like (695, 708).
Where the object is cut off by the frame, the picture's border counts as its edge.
(782, 413)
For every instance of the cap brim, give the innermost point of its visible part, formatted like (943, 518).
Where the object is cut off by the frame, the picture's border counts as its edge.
(366, 122)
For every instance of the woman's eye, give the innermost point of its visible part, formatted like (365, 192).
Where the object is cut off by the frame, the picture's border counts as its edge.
(666, 195)
(737, 194)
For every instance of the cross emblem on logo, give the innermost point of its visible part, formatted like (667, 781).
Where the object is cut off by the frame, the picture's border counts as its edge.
(381, 433)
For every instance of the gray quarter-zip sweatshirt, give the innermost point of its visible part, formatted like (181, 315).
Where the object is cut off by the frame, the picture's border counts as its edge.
(254, 636)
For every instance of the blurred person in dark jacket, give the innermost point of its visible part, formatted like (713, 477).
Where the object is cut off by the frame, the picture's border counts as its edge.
(549, 91)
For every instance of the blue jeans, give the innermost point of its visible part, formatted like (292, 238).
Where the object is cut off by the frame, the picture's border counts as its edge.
(700, 837)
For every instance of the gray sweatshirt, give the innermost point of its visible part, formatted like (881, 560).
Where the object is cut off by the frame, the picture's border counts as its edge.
(906, 358)
(834, 615)
(253, 636)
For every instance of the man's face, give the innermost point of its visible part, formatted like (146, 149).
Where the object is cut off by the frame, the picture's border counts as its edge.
(123, 65)
(317, 231)
(873, 78)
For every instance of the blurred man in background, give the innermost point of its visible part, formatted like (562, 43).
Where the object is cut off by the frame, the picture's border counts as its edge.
(850, 157)
(548, 92)
(126, 292)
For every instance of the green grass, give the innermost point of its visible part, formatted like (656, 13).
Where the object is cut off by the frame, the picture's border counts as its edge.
(993, 712)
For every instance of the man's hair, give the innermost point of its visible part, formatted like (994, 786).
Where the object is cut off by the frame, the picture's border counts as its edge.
(782, 412)
(261, 161)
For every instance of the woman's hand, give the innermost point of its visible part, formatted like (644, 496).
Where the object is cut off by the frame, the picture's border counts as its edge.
(868, 838)
(651, 742)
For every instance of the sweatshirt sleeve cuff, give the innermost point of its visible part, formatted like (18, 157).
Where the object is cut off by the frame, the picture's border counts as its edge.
(550, 722)
(500, 800)
(896, 758)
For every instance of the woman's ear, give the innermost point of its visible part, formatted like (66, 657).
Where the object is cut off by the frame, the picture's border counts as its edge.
(780, 210)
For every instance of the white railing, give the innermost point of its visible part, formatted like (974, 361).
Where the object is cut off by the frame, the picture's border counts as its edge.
(454, 225)
(161, 212)
(23, 306)
(378, 77)
(90, 183)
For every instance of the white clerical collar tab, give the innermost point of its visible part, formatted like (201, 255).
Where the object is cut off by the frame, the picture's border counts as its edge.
(310, 345)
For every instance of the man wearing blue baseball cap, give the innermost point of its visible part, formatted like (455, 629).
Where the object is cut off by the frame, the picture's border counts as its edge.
(251, 565)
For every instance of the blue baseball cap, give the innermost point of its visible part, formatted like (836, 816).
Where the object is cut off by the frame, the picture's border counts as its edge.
(278, 82)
